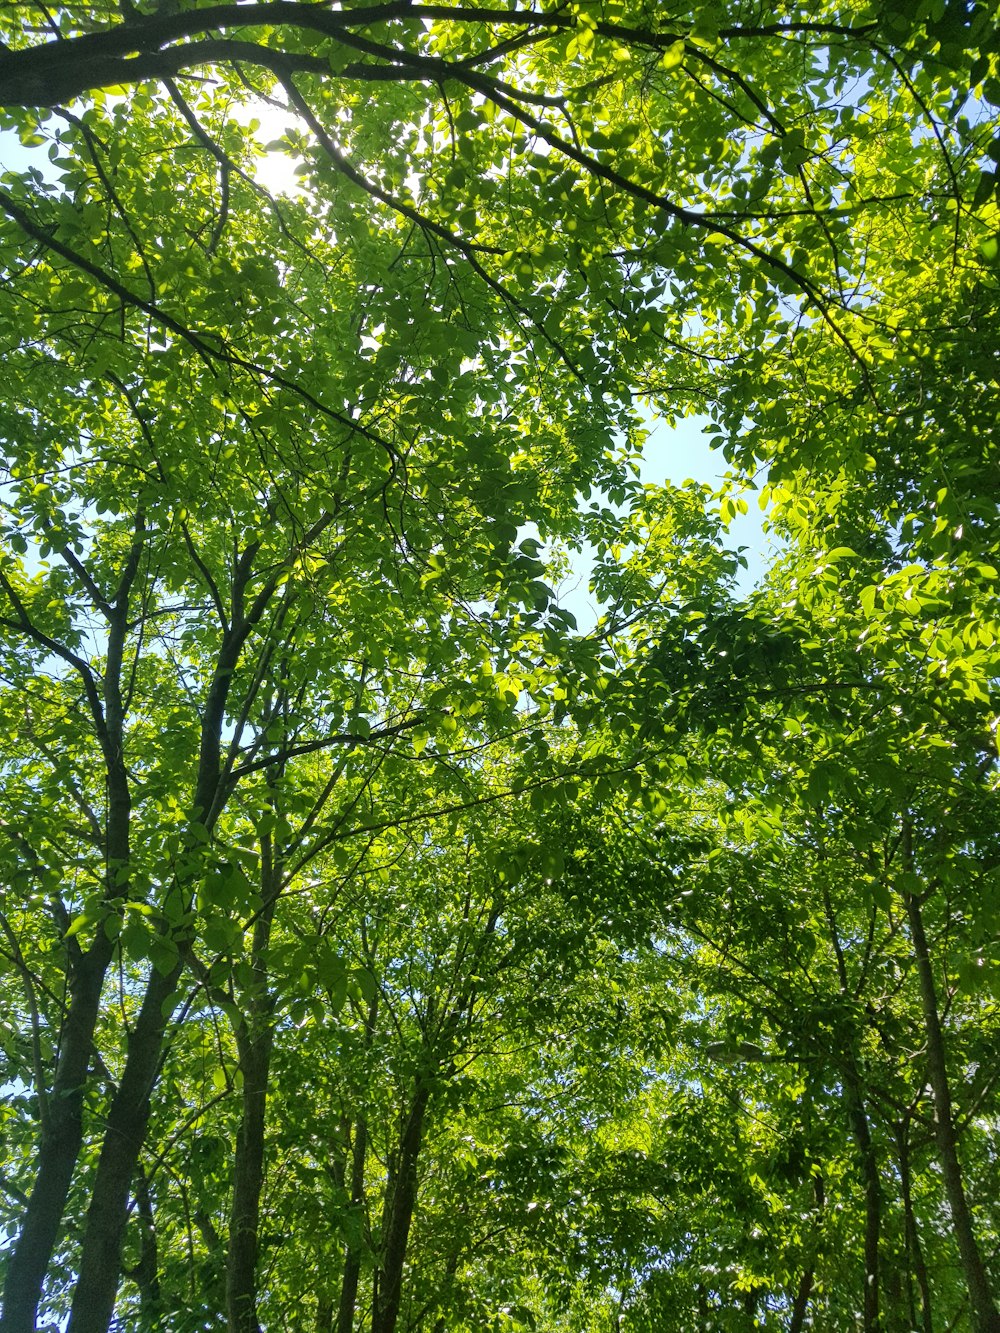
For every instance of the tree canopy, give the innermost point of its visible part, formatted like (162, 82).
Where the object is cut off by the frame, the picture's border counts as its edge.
(382, 950)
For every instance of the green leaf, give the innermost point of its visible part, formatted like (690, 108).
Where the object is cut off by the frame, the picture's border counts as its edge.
(79, 923)
(364, 983)
(673, 56)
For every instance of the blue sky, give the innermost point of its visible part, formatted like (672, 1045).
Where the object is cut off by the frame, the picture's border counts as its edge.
(676, 454)
(682, 452)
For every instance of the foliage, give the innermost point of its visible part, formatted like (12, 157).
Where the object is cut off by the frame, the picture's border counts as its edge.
(379, 949)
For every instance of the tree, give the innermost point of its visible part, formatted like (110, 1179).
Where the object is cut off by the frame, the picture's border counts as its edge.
(184, 612)
(854, 794)
(267, 464)
(572, 165)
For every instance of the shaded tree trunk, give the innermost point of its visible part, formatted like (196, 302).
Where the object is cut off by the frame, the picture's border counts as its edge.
(399, 1214)
(62, 1132)
(359, 1154)
(325, 1315)
(255, 1041)
(146, 1274)
(861, 1133)
(800, 1305)
(451, 1268)
(861, 1129)
(352, 1253)
(915, 1254)
(61, 1139)
(248, 1182)
(128, 1119)
(985, 1315)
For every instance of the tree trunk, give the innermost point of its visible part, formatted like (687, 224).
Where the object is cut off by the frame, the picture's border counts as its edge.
(59, 1148)
(146, 1274)
(915, 1254)
(100, 1255)
(986, 1317)
(248, 1182)
(359, 1154)
(800, 1306)
(399, 1216)
(352, 1254)
(255, 1040)
(62, 1136)
(861, 1132)
(450, 1269)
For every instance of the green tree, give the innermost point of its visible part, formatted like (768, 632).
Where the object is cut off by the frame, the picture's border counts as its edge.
(845, 919)
(266, 462)
(185, 589)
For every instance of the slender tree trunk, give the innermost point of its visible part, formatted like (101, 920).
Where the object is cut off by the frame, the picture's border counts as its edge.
(359, 1155)
(255, 1040)
(986, 1317)
(914, 1249)
(702, 1305)
(248, 1182)
(352, 1253)
(146, 1272)
(450, 1269)
(801, 1303)
(800, 1306)
(399, 1216)
(59, 1148)
(62, 1136)
(861, 1132)
(100, 1255)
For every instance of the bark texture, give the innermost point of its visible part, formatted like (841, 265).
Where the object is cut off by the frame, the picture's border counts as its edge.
(398, 1216)
(255, 1041)
(59, 1149)
(128, 1119)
